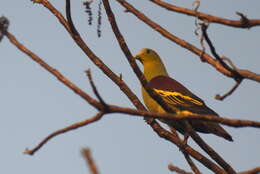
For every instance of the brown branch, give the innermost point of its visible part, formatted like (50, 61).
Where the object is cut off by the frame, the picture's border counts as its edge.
(210, 118)
(195, 154)
(86, 153)
(252, 171)
(64, 130)
(212, 153)
(194, 168)
(242, 23)
(177, 169)
(245, 73)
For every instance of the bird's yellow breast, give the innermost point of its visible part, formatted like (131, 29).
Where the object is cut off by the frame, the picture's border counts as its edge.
(150, 103)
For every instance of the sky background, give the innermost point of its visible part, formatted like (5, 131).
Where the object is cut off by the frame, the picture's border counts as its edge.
(34, 104)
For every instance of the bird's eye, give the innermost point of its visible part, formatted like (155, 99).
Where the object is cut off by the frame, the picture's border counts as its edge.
(148, 51)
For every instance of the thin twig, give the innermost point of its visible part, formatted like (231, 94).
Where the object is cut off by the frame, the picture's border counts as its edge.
(242, 23)
(194, 168)
(252, 171)
(235, 74)
(219, 97)
(94, 88)
(62, 131)
(68, 15)
(86, 153)
(177, 169)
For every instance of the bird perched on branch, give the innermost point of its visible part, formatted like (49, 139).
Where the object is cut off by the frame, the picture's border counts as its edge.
(179, 98)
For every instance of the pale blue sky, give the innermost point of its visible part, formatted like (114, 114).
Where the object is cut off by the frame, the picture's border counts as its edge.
(35, 104)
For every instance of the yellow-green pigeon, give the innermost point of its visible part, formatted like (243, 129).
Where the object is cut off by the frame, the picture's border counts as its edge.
(178, 97)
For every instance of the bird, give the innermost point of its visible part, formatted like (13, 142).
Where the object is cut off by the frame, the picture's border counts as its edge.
(180, 99)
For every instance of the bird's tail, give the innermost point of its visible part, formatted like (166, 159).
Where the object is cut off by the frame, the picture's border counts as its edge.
(210, 127)
(219, 131)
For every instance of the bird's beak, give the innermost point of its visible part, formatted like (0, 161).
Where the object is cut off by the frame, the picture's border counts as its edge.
(138, 58)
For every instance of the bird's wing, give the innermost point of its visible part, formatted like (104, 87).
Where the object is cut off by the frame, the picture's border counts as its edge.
(177, 96)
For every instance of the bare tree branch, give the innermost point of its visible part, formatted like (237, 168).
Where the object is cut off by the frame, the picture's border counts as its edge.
(242, 23)
(192, 164)
(177, 169)
(53, 71)
(252, 171)
(64, 130)
(86, 153)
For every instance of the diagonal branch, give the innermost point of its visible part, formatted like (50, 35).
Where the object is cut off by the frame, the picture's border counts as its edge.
(86, 153)
(252, 171)
(177, 169)
(242, 23)
(192, 164)
(77, 125)
(53, 71)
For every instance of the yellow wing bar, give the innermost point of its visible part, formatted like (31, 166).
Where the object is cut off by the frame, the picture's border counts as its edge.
(178, 98)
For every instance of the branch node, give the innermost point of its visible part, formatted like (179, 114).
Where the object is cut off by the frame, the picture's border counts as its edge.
(244, 20)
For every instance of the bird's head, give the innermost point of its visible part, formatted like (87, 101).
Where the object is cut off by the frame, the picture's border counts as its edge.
(153, 65)
(147, 55)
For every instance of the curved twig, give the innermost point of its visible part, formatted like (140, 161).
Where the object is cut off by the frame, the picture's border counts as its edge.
(64, 130)
(94, 88)
(242, 23)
